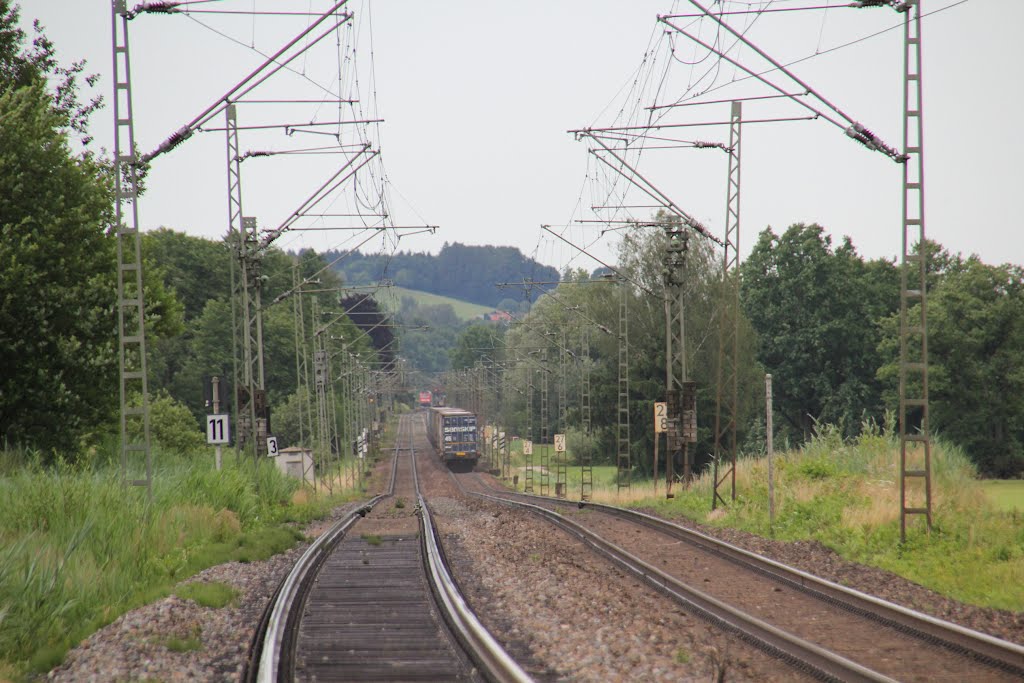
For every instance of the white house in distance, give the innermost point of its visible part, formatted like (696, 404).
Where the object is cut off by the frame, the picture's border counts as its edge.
(296, 462)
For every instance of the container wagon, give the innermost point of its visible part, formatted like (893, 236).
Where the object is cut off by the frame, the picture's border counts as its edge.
(452, 431)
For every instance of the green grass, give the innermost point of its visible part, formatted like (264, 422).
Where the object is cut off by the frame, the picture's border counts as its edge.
(465, 310)
(1005, 494)
(214, 594)
(188, 643)
(845, 496)
(78, 548)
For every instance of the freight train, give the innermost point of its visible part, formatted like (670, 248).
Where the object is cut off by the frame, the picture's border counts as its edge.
(452, 431)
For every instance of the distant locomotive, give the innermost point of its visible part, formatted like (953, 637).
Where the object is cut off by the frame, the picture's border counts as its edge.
(426, 399)
(452, 431)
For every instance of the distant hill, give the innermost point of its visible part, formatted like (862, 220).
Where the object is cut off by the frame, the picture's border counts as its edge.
(464, 272)
(391, 299)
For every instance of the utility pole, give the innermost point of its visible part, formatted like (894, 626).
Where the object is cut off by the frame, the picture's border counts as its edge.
(131, 305)
(915, 435)
(726, 383)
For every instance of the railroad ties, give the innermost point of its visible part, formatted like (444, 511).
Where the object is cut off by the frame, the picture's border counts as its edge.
(374, 618)
(370, 613)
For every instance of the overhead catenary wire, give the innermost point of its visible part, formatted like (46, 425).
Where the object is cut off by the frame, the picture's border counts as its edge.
(855, 130)
(244, 86)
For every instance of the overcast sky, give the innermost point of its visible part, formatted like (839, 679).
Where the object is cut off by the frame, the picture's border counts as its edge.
(477, 97)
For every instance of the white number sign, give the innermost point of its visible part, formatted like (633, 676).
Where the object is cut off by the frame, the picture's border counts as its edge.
(527, 448)
(271, 446)
(217, 430)
(559, 443)
(660, 418)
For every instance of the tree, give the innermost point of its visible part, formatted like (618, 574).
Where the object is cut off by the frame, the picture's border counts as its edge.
(477, 342)
(57, 264)
(578, 304)
(975, 358)
(367, 315)
(195, 269)
(816, 311)
(459, 271)
(36, 65)
(56, 324)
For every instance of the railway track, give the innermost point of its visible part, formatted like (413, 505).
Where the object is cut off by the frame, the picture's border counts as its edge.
(822, 628)
(372, 599)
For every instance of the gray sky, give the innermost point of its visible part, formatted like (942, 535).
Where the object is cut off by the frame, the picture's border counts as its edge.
(477, 96)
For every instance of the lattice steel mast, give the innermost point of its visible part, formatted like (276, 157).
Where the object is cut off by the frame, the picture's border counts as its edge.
(561, 475)
(251, 424)
(679, 392)
(727, 391)
(915, 436)
(530, 372)
(131, 305)
(545, 437)
(623, 462)
(586, 457)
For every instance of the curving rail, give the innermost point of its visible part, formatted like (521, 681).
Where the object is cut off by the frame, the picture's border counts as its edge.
(993, 651)
(488, 654)
(1000, 653)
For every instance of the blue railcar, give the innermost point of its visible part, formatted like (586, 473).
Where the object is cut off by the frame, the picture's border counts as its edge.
(452, 431)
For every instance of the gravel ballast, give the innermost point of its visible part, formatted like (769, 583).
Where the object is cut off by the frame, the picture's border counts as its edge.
(563, 615)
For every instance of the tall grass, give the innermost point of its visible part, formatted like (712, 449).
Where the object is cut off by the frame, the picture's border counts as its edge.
(78, 547)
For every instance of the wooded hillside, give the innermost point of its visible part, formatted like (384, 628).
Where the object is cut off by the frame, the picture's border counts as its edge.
(460, 271)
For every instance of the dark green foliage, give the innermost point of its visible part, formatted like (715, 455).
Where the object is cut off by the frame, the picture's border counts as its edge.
(58, 328)
(640, 258)
(56, 307)
(478, 342)
(429, 334)
(976, 353)
(460, 271)
(815, 310)
(195, 269)
(366, 314)
(173, 426)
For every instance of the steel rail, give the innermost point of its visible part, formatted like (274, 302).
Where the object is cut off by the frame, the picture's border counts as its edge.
(1001, 653)
(274, 641)
(486, 652)
(801, 654)
(980, 646)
